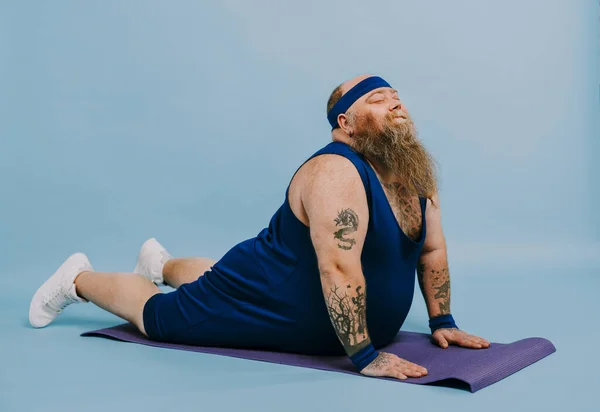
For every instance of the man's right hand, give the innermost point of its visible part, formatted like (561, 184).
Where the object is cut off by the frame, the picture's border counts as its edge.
(390, 365)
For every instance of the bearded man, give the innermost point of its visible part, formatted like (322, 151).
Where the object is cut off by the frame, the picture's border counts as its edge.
(332, 274)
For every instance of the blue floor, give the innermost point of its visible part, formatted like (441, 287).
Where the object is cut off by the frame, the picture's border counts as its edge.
(56, 369)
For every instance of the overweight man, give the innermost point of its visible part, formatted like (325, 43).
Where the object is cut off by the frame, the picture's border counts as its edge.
(333, 273)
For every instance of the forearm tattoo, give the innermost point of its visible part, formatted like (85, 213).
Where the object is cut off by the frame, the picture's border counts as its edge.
(435, 286)
(440, 282)
(348, 220)
(444, 307)
(420, 273)
(348, 316)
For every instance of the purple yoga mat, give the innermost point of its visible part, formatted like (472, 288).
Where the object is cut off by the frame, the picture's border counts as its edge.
(471, 369)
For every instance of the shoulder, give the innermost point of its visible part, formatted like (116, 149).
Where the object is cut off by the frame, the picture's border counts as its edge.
(332, 176)
(330, 173)
(324, 179)
(328, 162)
(336, 164)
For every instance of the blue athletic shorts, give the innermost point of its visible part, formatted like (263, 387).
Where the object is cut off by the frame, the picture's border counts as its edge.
(173, 316)
(198, 313)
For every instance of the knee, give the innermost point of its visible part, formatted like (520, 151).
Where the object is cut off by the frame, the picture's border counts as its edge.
(145, 319)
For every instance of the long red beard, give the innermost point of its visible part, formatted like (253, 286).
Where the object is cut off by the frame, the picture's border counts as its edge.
(395, 146)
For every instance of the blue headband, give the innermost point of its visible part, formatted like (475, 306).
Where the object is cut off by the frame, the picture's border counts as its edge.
(355, 93)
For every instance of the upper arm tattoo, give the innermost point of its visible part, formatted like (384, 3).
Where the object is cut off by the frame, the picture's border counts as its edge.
(348, 220)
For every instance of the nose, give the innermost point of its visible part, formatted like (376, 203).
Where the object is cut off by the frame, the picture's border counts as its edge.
(397, 105)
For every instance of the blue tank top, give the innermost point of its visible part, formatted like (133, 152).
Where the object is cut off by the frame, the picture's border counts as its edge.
(274, 277)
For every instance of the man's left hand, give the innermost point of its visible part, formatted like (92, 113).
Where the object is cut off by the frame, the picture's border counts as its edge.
(450, 336)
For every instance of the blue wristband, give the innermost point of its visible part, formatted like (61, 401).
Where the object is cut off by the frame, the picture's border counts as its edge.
(442, 321)
(364, 356)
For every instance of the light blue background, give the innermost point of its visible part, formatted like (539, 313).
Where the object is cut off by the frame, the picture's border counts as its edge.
(185, 120)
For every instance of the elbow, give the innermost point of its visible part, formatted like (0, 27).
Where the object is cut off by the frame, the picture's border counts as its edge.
(426, 254)
(330, 270)
(339, 269)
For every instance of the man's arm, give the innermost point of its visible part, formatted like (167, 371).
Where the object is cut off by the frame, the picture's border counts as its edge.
(335, 202)
(432, 268)
(434, 280)
(336, 205)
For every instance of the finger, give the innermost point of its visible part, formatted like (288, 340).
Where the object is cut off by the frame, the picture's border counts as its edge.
(475, 343)
(421, 370)
(410, 372)
(399, 375)
(412, 366)
(468, 341)
(485, 343)
(418, 368)
(409, 368)
(479, 340)
(441, 341)
(472, 344)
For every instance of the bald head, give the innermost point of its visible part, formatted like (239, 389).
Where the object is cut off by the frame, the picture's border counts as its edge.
(348, 84)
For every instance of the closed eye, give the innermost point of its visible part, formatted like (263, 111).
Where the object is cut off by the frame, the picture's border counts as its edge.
(379, 97)
(376, 98)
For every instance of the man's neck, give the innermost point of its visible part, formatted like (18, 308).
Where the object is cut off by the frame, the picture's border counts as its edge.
(384, 174)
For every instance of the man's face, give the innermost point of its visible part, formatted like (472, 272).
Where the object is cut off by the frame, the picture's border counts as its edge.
(382, 129)
(382, 105)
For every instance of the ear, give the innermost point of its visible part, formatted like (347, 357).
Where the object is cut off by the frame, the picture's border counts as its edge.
(344, 124)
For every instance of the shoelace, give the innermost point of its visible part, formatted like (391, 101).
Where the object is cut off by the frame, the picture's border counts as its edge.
(51, 300)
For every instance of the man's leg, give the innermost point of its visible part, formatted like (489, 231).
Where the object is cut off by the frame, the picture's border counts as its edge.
(179, 271)
(157, 264)
(122, 294)
(75, 281)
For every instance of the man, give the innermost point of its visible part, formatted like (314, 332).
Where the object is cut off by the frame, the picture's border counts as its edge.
(333, 273)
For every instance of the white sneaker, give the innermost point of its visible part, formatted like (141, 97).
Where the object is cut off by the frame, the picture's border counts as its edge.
(58, 291)
(151, 260)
